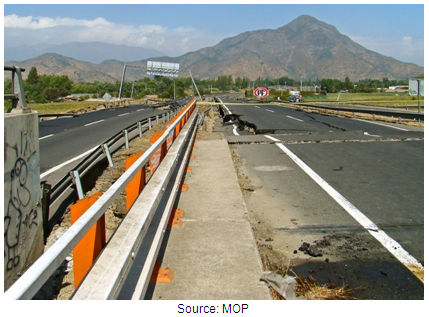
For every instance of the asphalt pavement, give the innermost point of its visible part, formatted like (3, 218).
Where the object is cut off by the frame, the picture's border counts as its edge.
(337, 184)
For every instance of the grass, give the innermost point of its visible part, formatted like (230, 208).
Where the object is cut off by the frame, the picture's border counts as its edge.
(373, 99)
(377, 99)
(307, 288)
(57, 107)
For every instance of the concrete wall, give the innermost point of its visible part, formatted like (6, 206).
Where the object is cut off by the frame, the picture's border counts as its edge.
(23, 228)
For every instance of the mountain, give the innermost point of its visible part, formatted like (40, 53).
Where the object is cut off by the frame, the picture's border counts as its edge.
(305, 48)
(95, 52)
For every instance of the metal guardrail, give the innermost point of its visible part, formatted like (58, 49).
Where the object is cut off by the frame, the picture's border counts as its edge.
(364, 109)
(34, 278)
(18, 94)
(103, 151)
(108, 275)
(56, 115)
(381, 111)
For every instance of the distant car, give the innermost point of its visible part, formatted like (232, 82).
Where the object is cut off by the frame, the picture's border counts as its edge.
(294, 99)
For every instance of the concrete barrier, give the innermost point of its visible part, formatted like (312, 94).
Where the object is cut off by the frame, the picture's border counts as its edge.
(23, 221)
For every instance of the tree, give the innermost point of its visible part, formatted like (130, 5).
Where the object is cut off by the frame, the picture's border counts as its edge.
(33, 78)
(348, 84)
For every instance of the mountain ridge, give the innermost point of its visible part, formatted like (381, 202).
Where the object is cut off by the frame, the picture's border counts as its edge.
(305, 48)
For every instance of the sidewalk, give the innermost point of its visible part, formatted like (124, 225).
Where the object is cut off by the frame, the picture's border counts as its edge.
(213, 254)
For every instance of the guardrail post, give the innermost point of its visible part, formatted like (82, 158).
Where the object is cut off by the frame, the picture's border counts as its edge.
(87, 250)
(76, 181)
(149, 121)
(127, 145)
(157, 119)
(106, 152)
(140, 129)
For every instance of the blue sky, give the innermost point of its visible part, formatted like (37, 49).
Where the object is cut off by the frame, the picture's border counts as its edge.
(395, 30)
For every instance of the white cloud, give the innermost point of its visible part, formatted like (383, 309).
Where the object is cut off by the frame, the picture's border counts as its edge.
(43, 30)
(30, 22)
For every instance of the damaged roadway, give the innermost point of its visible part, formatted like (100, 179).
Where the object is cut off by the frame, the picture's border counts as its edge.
(380, 172)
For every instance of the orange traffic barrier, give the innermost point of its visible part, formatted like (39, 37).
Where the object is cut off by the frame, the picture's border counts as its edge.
(87, 250)
(136, 185)
(172, 135)
(156, 159)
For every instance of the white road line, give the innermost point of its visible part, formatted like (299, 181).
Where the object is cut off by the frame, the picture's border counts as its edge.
(374, 135)
(257, 107)
(295, 119)
(391, 245)
(65, 163)
(269, 110)
(93, 122)
(385, 125)
(45, 137)
(124, 114)
(235, 130)
(140, 109)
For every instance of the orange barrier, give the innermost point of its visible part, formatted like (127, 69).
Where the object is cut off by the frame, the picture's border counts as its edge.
(136, 185)
(87, 250)
(156, 159)
(172, 136)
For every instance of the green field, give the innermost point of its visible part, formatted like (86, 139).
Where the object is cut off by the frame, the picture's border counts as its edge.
(375, 99)
(57, 107)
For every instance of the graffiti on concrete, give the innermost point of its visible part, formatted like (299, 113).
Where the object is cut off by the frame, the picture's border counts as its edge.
(20, 211)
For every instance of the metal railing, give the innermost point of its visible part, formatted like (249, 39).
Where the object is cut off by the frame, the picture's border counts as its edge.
(18, 93)
(374, 110)
(103, 151)
(35, 277)
(109, 273)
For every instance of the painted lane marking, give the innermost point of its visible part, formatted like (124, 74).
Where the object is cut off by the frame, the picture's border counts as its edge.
(235, 130)
(269, 110)
(391, 245)
(384, 125)
(45, 137)
(295, 119)
(95, 122)
(257, 107)
(374, 135)
(124, 114)
(140, 109)
(67, 162)
(229, 112)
